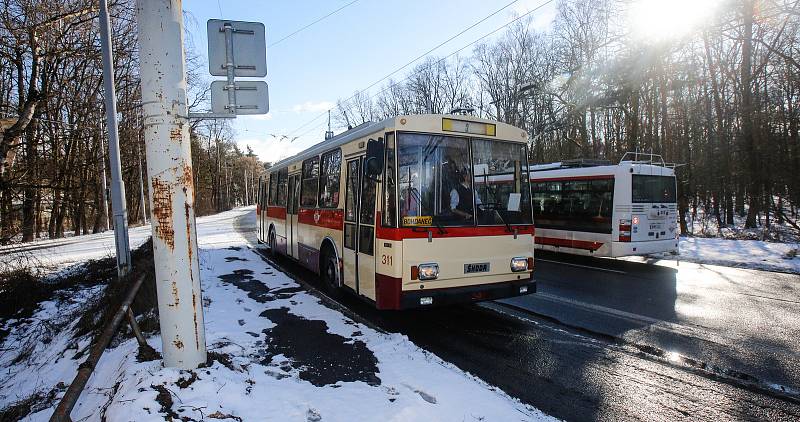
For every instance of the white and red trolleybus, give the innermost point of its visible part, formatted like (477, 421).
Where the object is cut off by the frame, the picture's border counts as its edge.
(595, 208)
(410, 211)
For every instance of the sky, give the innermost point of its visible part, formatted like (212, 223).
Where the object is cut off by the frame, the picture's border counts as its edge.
(343, 53)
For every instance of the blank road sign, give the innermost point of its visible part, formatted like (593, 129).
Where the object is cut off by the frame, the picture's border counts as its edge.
(249, 48)
(252, 97)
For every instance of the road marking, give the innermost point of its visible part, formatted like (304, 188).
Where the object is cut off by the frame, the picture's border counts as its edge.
(583, 266)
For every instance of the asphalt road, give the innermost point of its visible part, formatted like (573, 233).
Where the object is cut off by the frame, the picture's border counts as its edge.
(740, 322)
(570, 373)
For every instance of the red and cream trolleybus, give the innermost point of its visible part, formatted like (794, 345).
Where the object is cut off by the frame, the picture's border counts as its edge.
(410, 211)
(595, 208)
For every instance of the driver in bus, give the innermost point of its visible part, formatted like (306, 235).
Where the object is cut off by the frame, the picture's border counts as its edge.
(461, 196)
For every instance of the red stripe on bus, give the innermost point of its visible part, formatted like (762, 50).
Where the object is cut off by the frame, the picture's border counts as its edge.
(276, 212)
(389, 233)
(387, 292)
(328, 218)
(561, 179)
(569, 243)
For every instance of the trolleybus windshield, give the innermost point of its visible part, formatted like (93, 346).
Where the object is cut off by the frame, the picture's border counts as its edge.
(439, 184)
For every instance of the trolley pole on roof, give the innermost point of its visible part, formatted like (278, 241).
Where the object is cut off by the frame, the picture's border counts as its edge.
(169, 170)
(118, 206)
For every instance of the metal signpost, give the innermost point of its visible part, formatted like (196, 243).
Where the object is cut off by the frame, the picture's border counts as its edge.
(236, 49)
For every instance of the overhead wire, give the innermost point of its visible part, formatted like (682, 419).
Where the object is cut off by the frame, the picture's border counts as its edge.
(310, 24)
(540, 6)
(412, 61)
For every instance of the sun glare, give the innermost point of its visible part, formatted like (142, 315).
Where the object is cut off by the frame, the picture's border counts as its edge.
(668, 19)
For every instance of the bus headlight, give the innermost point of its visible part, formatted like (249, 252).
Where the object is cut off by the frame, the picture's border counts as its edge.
(519, 263)
(428, 271)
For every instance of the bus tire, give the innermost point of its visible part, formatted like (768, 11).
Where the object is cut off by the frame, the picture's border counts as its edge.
(328, 264)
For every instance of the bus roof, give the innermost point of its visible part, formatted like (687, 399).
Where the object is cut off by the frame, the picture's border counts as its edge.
(413, 123)
(338, 140)
(539, 172)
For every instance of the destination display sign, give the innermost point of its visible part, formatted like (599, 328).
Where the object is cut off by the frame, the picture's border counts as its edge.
(418, 220)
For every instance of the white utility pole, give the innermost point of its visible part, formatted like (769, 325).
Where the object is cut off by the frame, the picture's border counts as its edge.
(118, 205)
(169, 170)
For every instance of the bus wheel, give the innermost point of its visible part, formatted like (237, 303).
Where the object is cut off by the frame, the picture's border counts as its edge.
(328, 267)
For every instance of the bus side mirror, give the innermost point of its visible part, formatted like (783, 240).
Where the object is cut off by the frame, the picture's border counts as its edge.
(373, 162)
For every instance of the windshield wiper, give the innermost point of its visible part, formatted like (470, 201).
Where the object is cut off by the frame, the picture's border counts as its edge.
(508, 226)
(499, 209)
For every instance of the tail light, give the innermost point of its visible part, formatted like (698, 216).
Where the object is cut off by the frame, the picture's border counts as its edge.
(624, 230)
(258, 209)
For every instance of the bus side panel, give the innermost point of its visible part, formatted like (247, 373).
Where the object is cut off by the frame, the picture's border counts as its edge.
(315, 226)
(388, 268)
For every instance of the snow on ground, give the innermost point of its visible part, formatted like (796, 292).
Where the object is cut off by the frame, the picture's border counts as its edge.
(278, 354)
(56, 254)
(750, 254)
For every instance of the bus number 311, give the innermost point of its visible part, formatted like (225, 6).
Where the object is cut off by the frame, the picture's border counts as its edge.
(386, 260)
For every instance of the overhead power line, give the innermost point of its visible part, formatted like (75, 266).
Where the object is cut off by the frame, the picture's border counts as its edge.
(535, 9)
(310, 24)
(414, 60)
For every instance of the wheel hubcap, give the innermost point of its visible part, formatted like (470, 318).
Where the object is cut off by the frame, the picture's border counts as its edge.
(331, 273)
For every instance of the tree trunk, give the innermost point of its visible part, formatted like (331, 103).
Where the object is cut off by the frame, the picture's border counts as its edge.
(747, 110)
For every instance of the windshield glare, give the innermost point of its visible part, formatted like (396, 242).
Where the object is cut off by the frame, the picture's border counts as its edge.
(439, 186)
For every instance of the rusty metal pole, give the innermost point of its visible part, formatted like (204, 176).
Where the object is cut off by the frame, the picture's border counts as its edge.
(67, 403)
(171, 193)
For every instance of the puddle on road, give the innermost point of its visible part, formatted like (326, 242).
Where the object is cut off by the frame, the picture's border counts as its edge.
(321, 357)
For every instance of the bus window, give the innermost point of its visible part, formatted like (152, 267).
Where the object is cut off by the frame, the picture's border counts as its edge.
(658, 189)
(351, 204)
(273, 187)
(389, 214)
(501, 181)
(578, 205)
(310, 183)
(429, 168)
(367, 218)
(283, 176)
(329, 179)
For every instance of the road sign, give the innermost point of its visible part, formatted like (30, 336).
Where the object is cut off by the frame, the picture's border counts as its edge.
(252, 97)
(248, 44)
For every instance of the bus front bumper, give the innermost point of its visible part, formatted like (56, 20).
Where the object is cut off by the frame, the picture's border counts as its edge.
(468, 294)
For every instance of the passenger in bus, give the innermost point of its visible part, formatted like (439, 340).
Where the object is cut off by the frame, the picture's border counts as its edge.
(461, 196)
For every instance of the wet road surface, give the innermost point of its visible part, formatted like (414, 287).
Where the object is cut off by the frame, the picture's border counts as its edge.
(739, 321)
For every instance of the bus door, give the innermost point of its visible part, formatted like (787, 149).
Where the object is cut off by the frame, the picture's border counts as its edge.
(291, 215)
(359, 230)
